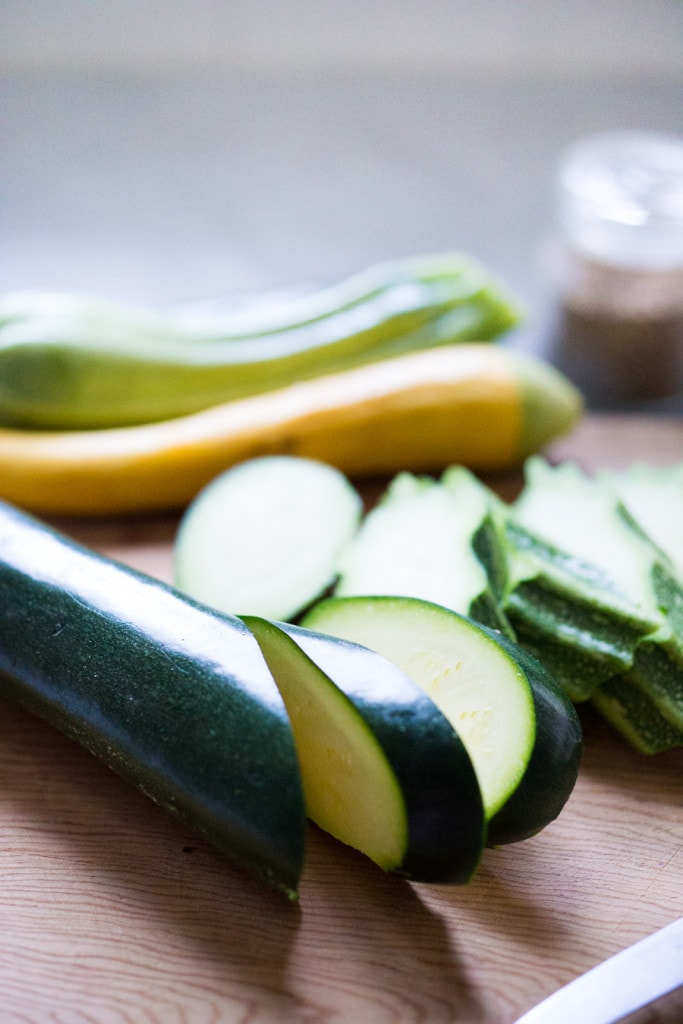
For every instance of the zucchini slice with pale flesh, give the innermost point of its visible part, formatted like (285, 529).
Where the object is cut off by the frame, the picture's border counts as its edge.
(421, 540)
(520, 729)
(263, 537)
(383, 770)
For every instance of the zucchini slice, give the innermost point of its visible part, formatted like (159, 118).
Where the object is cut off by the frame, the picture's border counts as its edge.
(554, 764)
(566, 507)
(653, 495)
(630, 711)
(517, 726)
(174, 697)
(263, 537)
(421, 540)
(382, 768)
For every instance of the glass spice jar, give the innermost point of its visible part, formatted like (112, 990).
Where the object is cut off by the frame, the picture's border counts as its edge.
(617, 266)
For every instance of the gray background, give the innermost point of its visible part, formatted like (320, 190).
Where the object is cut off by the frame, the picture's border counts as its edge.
(162, 152)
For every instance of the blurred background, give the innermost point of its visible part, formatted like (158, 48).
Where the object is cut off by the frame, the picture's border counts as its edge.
(161, 152)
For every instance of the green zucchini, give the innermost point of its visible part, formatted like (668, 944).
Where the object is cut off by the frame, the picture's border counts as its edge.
(564, 611)
(422, 540)
(174, 697)
(65, 365)
(519, 728)
(569, 612)
(585, 516)
(382, 769)
(263, 537)
(564, 507)
(653, 495)
(631, 713)
(553, 767)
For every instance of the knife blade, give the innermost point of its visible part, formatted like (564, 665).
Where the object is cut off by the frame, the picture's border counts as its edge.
(619, 986)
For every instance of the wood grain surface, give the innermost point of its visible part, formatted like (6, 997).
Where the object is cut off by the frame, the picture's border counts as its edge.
(110, 912)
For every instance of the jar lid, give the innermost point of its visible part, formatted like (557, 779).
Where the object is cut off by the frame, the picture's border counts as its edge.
(621, 198)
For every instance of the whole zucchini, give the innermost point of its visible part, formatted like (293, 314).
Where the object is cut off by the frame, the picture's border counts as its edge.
(65, 365)
(173, 697)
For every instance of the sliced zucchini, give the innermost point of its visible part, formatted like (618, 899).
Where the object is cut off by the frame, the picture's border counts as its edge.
(629, 710)
(566, 507)
(421, 541)
(383, 770)
(554, 764)
(263, 537)
(654, 497)
(661, 679)
(508, 723)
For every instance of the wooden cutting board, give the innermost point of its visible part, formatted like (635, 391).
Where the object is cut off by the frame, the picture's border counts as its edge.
(110, 912)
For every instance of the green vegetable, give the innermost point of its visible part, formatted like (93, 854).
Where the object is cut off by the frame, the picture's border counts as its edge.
(553, 767)
(585, 516)
(569, 613)
(174, 697)
(629, 710)
(564, 507)
(653, 496)
(263, 538)
(70, 363)
(382, 769)
(519, 728)
(421, 540)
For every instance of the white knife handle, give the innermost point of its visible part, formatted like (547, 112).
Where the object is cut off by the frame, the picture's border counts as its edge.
(619, 986)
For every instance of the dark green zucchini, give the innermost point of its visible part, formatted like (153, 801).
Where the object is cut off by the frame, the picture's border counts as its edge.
(383, 770)
(553, 767)
(520, 729)
(172, 696)
(630, 711)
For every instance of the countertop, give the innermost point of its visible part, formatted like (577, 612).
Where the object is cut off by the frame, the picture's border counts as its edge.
(111, 912)
(159, 154)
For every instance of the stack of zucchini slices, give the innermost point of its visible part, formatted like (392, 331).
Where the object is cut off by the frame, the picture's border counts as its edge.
(583, 572)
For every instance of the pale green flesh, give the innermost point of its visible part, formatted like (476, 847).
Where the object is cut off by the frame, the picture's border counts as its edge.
(563, 507)
(263, 538)
(474, 682)
(350, 789)
(416, 543)
(654, 497)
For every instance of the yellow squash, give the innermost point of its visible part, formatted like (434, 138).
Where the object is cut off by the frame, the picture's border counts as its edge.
(483, 406)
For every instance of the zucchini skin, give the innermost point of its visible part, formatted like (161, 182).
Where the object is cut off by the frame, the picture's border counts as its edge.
(553, 767)
(172, 696)
(465, 403)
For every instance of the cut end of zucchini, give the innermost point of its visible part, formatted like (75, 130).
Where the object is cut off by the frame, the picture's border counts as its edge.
(477, 685)
(578, 515)
(416, 542)
(350, 789)
(551, 404)
(263, 537)
(383, 770)
(653, 496)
